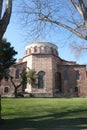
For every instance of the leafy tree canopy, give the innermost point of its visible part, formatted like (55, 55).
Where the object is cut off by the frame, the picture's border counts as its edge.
(7, 59)
(31, 76)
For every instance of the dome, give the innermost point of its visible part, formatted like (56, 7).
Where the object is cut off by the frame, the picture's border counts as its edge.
(41, 48)
(39, 44)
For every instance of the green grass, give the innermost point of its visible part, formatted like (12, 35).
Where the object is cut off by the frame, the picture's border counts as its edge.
(44, 113)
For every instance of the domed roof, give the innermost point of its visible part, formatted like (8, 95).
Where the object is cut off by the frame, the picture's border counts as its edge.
(41, 48)
(43, 44)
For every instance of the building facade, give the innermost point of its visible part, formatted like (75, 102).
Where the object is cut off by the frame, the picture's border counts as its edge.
(56, 77)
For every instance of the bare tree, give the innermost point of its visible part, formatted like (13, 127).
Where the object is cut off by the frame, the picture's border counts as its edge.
(78, 49)
(71, 15)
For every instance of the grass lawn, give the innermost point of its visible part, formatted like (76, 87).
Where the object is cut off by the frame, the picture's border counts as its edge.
(44, 114)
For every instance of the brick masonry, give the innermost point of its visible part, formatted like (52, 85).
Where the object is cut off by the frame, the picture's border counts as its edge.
(61, 78)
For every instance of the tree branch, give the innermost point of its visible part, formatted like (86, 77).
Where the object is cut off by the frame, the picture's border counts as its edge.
(64, 26)
(16, 86)
(84, 11)
(77, 7)
(11, 78)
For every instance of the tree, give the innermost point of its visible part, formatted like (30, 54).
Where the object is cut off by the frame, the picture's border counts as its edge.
(7, 59)
(31, 76)
(22, 82)
(40, 17)
(4, 21)
(71, 15)
(4, 16)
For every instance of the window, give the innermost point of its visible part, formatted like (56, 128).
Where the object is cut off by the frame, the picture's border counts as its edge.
(58, 81)
(6, 89)
(55, 52)
(7, 73)
(42, 49)
(47, 50)
(35, 49)
(76, 89)
(77, 75)
(41, 75)
(51, 50)
(65, 75)
(26, 52)
(17, 74)
(29, 51)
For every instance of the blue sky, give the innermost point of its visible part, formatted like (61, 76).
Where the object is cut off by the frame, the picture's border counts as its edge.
(16, 35)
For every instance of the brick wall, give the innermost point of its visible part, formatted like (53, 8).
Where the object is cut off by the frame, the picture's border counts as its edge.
(43, 63)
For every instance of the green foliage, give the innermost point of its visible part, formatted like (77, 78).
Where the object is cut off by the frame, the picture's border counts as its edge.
(7, 59)
(31, 76)
(30, 73)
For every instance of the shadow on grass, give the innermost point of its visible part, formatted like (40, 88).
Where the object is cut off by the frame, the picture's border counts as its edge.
(54, 121)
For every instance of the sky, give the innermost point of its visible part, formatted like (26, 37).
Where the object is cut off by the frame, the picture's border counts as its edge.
(16, 36)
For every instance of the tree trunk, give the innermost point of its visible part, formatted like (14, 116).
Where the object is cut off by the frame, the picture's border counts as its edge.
(1, 4)
(0, 104)
(0, 109)
(15, 92)
(5, 19)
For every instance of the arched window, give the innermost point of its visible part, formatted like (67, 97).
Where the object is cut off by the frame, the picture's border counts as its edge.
(58, 81)
(29, 50)
(77, 75)
(35, 49)
(17, 73)
(6, 89)
(26, 52)
(41, 75)
(7, 73)
(48, 50)
(65, 75)
(55, 51)
(76, 89)
(42, 49)
(51, 50)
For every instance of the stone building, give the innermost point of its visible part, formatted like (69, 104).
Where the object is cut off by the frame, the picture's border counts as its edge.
(56, 77)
